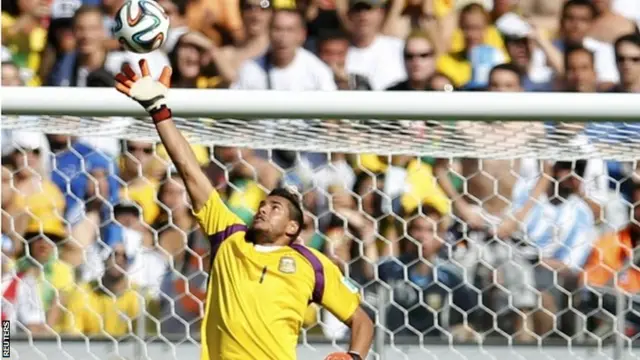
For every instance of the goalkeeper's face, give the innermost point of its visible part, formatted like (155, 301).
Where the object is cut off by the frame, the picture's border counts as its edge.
(273, 223)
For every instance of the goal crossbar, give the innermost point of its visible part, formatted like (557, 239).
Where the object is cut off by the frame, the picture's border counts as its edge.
(237, 104)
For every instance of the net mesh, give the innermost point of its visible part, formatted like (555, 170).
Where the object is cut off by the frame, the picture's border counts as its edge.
(501, 140)
(432, 273)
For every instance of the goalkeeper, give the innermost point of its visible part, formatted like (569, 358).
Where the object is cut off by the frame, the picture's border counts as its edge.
(261, 283)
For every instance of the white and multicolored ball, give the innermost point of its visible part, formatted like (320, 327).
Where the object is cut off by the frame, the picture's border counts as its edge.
(141, 26)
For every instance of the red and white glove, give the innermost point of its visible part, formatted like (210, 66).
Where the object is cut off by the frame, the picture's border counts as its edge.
(344, 356)
(149, 93)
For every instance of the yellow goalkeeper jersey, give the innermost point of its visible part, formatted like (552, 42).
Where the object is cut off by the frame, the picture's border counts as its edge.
(258, 296)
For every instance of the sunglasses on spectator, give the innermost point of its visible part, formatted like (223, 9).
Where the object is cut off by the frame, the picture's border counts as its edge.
(421, 55)
(621, 59)
(146, 150)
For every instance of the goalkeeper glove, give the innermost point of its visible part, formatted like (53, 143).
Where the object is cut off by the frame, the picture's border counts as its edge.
(351, 355)
(145, 90)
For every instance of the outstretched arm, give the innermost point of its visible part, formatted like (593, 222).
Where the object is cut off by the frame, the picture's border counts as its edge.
(151, 95)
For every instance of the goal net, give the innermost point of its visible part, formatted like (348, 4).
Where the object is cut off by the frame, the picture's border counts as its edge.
(482, 226)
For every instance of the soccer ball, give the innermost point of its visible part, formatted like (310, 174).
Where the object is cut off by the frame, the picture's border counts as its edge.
(141, 26)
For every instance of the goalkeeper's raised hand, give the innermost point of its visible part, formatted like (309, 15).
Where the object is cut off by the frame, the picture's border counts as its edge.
(149, 93)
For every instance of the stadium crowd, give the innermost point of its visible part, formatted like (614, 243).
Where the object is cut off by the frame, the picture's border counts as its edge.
(97, 233)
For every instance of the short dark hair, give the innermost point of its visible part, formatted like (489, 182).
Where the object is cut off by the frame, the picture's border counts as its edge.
(472, 8)
(575, 49)
(510, 67)
(633, 38)
(85, 9)
(585, 3)
(331, 34)
(578, 166)
(295, 209)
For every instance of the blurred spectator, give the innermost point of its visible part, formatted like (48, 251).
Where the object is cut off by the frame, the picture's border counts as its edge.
(614, 264)
(55, 278)
(373, 55)
(627, 50)
(608, 25)
(577, 19)
(441, 82)
(528, 47)
(332, 48)
(470, 65)
(485, 34)
(422, 282)
(107, 307)
(135, 162)
(176, 11)
(14, 217)
(72, 69)
(256, 19)
(185, 281)
(580, 72)
(24, 33)
(21, 302)
(11, 74)
(198, 63)
(77, 168)
(219, 20)
(286, 66)
(556, 233)
(435, 17)
(419, 61)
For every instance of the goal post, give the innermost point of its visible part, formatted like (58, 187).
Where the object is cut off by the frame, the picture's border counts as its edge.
(361, 105)
(451, 125)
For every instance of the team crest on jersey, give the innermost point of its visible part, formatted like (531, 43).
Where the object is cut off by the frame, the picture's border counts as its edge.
(287, 265)
(351, 286)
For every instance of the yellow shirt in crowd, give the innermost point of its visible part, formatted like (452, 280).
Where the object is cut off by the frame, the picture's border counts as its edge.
(26, 48)
(94, 312)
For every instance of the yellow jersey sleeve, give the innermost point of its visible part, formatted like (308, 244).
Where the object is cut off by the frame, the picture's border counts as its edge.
(331, 290)
(216, 218)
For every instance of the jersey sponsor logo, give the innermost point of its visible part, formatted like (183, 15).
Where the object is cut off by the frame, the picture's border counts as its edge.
(350, 285)
(287, 265)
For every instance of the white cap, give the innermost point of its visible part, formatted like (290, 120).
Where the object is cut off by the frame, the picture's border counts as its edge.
(6, 54)
(27, 140)
(512, 25)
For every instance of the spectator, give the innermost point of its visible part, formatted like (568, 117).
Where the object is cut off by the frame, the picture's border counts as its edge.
(580, 73)
(487, 34)
(470, 66)
(441, 82)
(627, 50)
(577, 19)
(140, 188)
(106, 307)
(21, 302)
(419, 61)
(70, 176)
(332, 49)
(608, 25)
(557, 231)
(14, 217)
(614, 264)
(528, 47)
(286, 66)
(256, 19)
(55, 278)
(24, 34)
(422, 282)
(185, 281)
(72, 69)
(11, 74)
(198, 63)
(373, 55)
(436, 17)
(176, 11)
(219, 20)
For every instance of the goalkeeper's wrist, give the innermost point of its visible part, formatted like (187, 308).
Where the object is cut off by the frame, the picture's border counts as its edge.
(160, 114)
(355, 355)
